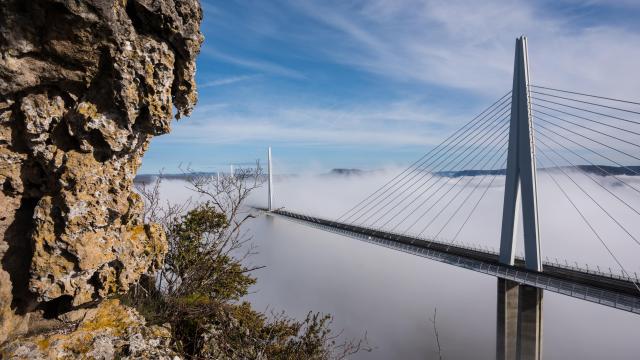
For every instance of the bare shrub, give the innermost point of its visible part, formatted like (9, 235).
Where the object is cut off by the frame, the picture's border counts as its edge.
(199, 289)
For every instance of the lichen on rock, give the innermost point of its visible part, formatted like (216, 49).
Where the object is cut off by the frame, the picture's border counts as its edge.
(109, 331)
(84, 86)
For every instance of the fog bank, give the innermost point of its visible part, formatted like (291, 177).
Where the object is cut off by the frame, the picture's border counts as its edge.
(391, 295)
(563, 233)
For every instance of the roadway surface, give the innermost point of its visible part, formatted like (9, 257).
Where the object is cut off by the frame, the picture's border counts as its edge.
(587, 278)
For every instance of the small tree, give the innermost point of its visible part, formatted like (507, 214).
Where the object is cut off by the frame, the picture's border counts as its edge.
(198, 290)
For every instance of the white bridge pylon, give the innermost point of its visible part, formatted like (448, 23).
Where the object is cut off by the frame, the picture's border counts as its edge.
(270, 180)
(520, 183)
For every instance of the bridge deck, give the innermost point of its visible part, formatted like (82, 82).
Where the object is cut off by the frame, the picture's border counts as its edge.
(609, 290)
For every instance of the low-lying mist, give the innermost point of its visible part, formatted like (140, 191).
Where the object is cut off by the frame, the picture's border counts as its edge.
(563, 233)
(391, 295)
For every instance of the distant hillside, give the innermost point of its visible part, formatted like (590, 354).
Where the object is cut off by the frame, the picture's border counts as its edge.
(600, 170)
(147, 178)
(347, 172)
(612, 170)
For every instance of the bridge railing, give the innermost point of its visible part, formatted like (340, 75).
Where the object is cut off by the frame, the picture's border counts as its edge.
(566, 265)
(540, 280)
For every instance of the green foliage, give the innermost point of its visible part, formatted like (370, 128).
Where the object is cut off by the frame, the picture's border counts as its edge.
(199, 261)
(198, 292)
(234, 282)
(186, 237)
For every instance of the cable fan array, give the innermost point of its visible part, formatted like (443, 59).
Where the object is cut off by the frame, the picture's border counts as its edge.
(579, 138)
(439, 193)
(583, 139)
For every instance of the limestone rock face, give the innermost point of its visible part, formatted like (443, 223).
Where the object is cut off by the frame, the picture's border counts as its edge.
(110, 331)
(84, 86)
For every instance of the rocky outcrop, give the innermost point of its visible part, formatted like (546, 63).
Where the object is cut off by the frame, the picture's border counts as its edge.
(109, 331)
(84, 86)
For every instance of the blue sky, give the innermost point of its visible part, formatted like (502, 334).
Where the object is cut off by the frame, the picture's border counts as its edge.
(369, 84)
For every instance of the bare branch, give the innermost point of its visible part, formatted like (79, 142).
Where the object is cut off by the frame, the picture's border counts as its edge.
(435, 332)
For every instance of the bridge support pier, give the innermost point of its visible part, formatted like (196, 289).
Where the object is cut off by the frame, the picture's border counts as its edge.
(529, 323)
(270, 180)
(507, 320)
(519, 321)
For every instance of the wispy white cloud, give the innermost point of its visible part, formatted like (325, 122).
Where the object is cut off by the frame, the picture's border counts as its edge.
(399, 123)
(226, 81)
(259, 65)
(469, 44)
(404, 72)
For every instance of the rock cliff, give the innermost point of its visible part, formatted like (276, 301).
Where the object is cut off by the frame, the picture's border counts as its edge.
(84, 86)
(108, 331)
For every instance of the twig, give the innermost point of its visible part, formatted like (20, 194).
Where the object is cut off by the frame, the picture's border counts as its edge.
(435, 331)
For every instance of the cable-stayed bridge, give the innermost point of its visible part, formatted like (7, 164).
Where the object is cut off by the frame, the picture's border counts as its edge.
(573, 139)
